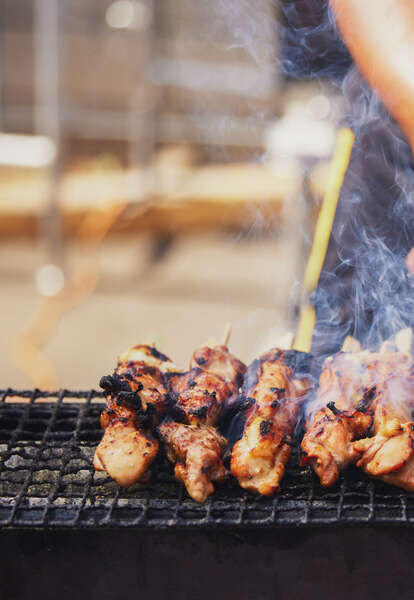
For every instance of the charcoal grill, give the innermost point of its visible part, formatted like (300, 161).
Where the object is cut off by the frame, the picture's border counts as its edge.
(47, 480)
(67, 529)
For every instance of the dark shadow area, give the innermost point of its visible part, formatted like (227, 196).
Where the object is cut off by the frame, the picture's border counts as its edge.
(359, 563)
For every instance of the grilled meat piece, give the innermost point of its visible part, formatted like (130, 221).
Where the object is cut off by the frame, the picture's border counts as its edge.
(199, 396)
(273, 396)
(125, 452)
(360, 395)
(136, 400)
(338, 415)
(389, 454)
(197, 454)
(328, 442)
(220, 362)
(199, 399)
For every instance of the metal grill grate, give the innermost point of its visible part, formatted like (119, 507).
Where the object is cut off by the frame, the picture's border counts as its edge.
(47, 441)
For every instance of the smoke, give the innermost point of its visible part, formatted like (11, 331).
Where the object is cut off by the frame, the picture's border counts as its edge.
(251, 26)
(365, 289)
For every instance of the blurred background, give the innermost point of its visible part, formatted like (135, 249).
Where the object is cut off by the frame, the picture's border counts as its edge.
(160, 174)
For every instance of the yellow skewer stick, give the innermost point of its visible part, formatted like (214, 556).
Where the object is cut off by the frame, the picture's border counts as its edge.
(339, 164)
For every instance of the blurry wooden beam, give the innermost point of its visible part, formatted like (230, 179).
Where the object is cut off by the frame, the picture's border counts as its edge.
(206, 197)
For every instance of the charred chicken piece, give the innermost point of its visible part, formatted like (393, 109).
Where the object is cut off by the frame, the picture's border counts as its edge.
(361, 394)
(389, 453)
(219, 361)
(339, 414)
(200, 396)
(136, 400)
(197, 454)
(272, 394)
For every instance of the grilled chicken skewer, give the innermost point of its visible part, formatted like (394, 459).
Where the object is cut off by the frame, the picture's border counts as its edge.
(136, 400)
(389, 454)
(363, 394)
(337, 416)
(194, 445)
(272, 394)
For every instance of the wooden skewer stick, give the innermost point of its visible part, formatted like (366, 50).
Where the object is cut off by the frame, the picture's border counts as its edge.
(351, 344)
(227, 334)
(403, 340)
(212, 342)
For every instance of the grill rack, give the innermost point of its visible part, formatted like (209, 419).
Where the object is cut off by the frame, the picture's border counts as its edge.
(47, 441)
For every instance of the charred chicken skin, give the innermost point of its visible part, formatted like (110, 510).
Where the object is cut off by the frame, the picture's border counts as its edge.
(389, 453)
(136, 400)
(194, 445)
(272, 396)
(338, 416)
(363, 415)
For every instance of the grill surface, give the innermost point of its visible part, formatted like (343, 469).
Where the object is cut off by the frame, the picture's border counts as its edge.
(47, 480)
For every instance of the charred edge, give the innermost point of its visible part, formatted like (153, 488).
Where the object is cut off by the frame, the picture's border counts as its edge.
(367, 398)
(298, 362)
(265, 427)
(170, 399)
(138, 369)
(145, 417)
(131, 398)
(176, 413)
(156, 354)
(279, 392)
(246, 403)
(332, 408)
(252, 376)
(200, 412)
(114, 383)
(369, 394)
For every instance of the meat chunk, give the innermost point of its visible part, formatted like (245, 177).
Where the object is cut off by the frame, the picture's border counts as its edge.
(197, 454)
(389, 453)
(363, 415)
(199, 398)
(272, 397)
(328, 441)
(125, 452)
(136, 400)
(221, 362)
(337, 416)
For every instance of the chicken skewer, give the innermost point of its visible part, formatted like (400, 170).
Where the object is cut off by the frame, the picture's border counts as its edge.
(389, 454)
(194, 445)
(273, 393)
(136, 400)
(360, 394)
(337, 416)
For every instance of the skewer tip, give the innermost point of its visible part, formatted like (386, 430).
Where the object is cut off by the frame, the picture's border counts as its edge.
(227, 333)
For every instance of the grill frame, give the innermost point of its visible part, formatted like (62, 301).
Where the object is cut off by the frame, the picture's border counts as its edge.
(47, 480)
